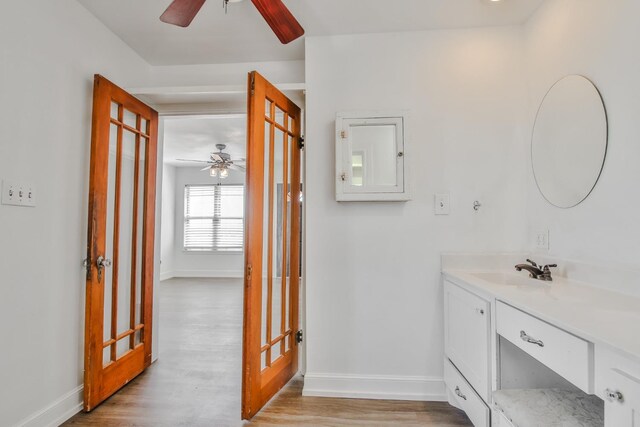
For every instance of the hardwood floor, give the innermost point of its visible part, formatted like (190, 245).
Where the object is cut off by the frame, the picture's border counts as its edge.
(289, 408)
(196, 380)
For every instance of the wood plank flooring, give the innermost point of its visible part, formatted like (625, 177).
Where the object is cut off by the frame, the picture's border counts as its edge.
(196, 380)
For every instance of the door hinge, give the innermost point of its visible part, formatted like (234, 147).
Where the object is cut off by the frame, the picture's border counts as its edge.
(301, 142)
(299, 336)
(253, 84)
(86, 264)
(249, 270)
(343, 134)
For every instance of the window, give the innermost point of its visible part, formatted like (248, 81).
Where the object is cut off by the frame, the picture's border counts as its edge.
(213, 217)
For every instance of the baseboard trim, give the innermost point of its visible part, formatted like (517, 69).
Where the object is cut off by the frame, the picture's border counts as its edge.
(167, 275)
(375, 387)
(224, 274)
(57, 412)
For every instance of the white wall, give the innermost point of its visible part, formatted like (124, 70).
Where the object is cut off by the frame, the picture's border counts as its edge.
(374, 300)
(225, 74)
(201, 264)
(600, 41)
(49, 52)
(194, 84)
(168, 239)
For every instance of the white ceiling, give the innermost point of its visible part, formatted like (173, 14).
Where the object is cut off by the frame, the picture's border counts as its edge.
(243, 36)
(194, 137)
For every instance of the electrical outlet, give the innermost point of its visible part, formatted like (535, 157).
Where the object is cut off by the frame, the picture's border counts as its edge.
(14, 194)
(442, 204)
(542, 240)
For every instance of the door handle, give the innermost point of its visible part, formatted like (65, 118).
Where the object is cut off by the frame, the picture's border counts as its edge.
(526, 338)
(102, 263)
(613, 396)
(459, 393)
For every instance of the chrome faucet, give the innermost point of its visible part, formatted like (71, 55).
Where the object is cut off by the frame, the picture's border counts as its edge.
(536, 271)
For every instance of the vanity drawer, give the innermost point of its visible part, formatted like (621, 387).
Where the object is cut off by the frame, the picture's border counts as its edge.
(465, 397)
(569, 356)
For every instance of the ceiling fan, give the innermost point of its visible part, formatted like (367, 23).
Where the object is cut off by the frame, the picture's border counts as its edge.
(220, 163)
(279, 18)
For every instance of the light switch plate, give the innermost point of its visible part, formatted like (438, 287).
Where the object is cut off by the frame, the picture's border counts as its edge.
(18, 194)
(542, 240)
(442, 204)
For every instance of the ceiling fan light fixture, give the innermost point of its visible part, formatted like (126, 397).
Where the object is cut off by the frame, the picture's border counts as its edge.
(224, 173)
(213, 172)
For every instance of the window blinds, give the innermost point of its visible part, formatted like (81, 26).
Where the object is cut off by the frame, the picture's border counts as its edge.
(213, 217)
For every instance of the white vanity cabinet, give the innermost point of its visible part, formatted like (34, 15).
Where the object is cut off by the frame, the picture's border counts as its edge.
(622, 400)
(618, 384)
(510, 341)
(467, 335)
(467, 349)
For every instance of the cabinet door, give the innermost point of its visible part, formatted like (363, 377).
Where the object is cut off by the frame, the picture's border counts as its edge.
(370, 157)
(622, 400)
(467, 337)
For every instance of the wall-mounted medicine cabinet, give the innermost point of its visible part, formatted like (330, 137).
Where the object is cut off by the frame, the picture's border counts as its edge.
(371, 157)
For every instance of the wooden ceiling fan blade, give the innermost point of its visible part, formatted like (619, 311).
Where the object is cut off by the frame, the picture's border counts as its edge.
(182, 12)
(205, 169)
(280, 19)
(237, 168)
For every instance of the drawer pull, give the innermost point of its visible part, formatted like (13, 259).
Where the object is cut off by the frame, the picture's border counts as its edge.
(613, 396)
(459, 393)
(527, 338)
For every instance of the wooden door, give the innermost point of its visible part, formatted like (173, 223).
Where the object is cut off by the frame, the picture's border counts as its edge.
(120, 241)
(272, 244)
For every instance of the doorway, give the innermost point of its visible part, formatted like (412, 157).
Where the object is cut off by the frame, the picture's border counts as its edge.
(201, 291)
(205, 208)
(273, 227)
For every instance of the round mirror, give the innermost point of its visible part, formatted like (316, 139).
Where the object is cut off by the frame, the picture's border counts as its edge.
(569, 141)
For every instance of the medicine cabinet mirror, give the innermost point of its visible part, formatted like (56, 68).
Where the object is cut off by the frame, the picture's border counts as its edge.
(371, 157)
(569, 141)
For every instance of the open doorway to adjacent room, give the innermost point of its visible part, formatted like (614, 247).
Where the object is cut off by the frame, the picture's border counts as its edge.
(201, 270)
(211, 316)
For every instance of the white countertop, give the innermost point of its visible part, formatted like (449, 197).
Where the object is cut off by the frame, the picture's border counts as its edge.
(597, 315)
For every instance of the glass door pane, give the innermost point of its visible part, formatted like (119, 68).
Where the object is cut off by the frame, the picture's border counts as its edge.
(126, 194)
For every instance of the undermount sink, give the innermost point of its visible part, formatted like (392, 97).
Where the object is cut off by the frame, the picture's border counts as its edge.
(509, 279)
